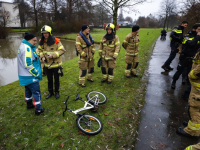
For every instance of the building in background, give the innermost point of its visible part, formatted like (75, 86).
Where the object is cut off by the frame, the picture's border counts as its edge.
(9, 14)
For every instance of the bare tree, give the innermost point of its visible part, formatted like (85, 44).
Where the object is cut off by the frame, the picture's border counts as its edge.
(6, 17)
(168, 7)
(129, 19)
(112, 6)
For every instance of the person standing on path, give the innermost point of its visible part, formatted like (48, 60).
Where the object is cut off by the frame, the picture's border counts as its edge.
(50, 50)
(108, 51)
(86, 49)
(30, 73)
(193, 126)
(131, 44)
(186, 56)
(176, 41)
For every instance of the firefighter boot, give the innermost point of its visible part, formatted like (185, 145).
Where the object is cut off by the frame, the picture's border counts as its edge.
(173, 85)
(182, 132)
(134, 73)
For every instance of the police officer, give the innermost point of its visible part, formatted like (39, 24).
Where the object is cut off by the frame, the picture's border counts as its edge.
(51, 49)
(86, 49)
(177, 38)
(30, 73)
(131, 44)
(108, 51)
(192, 127)
(186, 55)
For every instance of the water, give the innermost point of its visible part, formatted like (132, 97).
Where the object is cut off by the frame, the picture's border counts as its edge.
(8, 57)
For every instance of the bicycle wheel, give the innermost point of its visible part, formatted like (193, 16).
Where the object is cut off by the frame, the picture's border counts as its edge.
(89, 124)
(96, 96)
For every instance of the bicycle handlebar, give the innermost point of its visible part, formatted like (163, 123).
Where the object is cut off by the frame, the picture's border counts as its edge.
(65, 105)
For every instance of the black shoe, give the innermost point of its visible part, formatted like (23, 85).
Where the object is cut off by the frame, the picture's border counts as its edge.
(57, 95)
(182, 132)
(184, 80)
(128, 76)
(108, 82)
(165, 68)
(173, 86)
(169, 68)
(185, 123)
(82, 85)
(49, 95)
(135, 75)
(30, 105)
(90, 80)
(103, 81)
(39, 111)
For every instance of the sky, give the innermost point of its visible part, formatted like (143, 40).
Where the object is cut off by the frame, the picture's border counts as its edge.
(152, 6)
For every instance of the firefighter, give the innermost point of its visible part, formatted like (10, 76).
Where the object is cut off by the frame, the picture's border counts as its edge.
(86, 49)
(108, 51)
(177, 38)
(193, 126)
(30, 73)
(186, 55)
(193, 147)
(131, 44)
(50, 51)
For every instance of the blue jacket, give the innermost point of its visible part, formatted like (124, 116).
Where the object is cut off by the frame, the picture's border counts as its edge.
(29, 68)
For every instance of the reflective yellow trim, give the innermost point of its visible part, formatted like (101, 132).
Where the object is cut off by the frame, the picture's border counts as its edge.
(108, 58)
(132, 54)
(117, 43)
(89, 75)
(83, 46)
(196, 84)
(193, 126)
(189, 147)
(40, 54)
(128, 71)
(60, 47)
(28, 54)
(31, 71)
(108, 45)
(82, 78)
(125, 41)
(82, 53)
(192, 75)
(44, 52)
(40, 47)
(93, 49)
(116, 54)
(57, 54)
(178, 31)
(196, 61)
(86, 59)
(110, 77)
(105, 75)
(79, 43)
(53, 66)
(133, 69)
(100, 50)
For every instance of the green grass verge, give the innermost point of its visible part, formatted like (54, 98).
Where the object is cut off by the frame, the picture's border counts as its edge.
(21, 30)
(21, 129)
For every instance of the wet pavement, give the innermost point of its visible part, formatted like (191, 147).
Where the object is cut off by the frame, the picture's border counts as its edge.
(164, 110)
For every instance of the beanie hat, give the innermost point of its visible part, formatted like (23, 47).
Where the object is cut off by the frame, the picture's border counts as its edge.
(84, 26)
(28, 36)
(135, 28)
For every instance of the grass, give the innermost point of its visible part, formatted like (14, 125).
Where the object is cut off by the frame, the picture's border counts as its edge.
(21, 30)
(21, 129)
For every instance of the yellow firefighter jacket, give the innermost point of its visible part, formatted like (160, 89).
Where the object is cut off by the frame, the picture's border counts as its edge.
(131, 44)
(109, 50)
(57, 49)
(86, 53)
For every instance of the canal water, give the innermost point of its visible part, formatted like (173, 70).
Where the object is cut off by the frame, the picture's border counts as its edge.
(8, 56)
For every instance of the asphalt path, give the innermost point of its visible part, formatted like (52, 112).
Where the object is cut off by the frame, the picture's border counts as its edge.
(164, 110)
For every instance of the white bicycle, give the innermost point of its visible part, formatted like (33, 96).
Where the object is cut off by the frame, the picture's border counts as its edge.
(88, 124)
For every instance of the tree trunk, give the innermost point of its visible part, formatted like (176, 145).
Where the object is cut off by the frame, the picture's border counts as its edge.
(55, 10)
(115, 14)
(165, 21)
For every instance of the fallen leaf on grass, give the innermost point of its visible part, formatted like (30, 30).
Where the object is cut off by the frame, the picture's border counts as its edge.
(60, 137)
(62, 145)
(79, 132)
(63, 107)
(106, 114)
(109, 123)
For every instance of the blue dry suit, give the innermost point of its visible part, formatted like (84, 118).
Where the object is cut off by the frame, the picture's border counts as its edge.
(29, 72)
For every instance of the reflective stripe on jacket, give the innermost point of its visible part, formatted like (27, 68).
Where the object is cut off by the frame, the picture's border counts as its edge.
(29, 68)
(131, 44)
(109, 49)
(56, 50)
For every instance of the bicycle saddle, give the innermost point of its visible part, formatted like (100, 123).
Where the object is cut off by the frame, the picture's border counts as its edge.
(77, 97)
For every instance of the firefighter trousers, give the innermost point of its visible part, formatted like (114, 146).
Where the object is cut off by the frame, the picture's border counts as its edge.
(86, 68)
(108, 69)
(193, 147)
(131, 65)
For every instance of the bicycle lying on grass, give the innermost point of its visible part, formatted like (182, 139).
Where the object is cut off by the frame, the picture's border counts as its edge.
(88, 124)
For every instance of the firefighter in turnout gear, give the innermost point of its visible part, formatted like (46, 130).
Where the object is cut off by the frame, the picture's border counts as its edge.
(193, 126)
(30, 73)
(108, 51)
(86, 49)
(131, 44)
(50, 51)
(193, 147)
